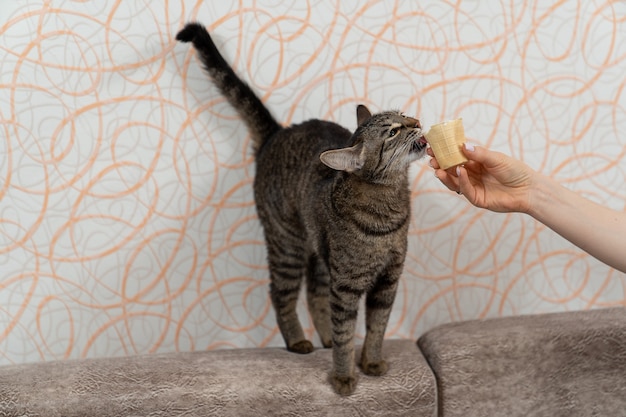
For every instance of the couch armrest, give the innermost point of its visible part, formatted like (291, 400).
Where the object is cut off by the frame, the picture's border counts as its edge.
(563, 364)
(240, 382)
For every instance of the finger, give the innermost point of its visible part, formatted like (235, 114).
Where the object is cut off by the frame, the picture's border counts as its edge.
(453, 171)
(448, 180)
(465, 186)
(482, 155)
(471, 151)
(433, 163)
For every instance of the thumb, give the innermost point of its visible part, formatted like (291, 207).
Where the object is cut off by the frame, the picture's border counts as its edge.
(481, 155)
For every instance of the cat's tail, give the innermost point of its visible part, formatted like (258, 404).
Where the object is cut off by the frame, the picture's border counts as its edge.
(257, 117)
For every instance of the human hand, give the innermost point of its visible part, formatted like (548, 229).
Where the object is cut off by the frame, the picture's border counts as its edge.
(490, 180)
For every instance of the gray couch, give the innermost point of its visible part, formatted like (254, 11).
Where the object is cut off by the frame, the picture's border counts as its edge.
(565, 364)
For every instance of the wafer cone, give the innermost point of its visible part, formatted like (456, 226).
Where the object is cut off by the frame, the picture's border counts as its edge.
(446, 140)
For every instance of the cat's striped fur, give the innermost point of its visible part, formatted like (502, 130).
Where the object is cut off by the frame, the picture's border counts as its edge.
(335, 209)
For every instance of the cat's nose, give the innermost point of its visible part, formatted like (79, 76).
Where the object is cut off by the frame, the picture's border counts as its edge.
(411, 122)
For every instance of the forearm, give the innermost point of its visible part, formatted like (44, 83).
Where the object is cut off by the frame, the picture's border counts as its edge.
(596, 229)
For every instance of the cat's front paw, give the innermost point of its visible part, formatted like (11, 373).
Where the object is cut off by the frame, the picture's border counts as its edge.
(343, 385)
(303, 346)
(375, 368)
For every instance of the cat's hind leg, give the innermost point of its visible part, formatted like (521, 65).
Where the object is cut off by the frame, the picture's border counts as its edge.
(287, 267)
(317, 299)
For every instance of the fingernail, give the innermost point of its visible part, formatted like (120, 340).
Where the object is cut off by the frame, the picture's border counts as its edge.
(469, 147)
(430, 162)
(458, 170)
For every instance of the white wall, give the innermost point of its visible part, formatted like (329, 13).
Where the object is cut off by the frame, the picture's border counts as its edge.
(127, 222)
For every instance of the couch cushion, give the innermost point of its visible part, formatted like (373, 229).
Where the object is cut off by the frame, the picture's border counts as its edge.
(565, 364)
(240, 382)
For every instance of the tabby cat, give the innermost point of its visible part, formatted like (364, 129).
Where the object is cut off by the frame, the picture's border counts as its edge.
(335, 210)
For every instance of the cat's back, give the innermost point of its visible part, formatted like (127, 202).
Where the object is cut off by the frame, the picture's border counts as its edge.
(311, 136)
(288, 166)
(295, 150)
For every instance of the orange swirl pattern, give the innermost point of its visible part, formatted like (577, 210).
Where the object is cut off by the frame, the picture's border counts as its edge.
(127, 223)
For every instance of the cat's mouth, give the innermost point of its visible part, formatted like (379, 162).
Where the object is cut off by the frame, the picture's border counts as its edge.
(419, 144)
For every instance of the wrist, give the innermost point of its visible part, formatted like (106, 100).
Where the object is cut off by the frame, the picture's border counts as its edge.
(542, 192)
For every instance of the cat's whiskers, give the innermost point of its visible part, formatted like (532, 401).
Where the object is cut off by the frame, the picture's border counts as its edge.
(399, 151)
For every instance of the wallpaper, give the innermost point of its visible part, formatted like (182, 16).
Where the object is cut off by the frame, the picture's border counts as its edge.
(127, 221)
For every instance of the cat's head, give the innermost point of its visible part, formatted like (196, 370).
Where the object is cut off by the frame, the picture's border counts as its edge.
(383, 145)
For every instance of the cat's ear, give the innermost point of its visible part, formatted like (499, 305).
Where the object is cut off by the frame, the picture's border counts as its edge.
(345, 159)
(362, 114)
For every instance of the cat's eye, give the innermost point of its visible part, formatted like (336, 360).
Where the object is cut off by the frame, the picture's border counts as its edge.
(393, 132)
